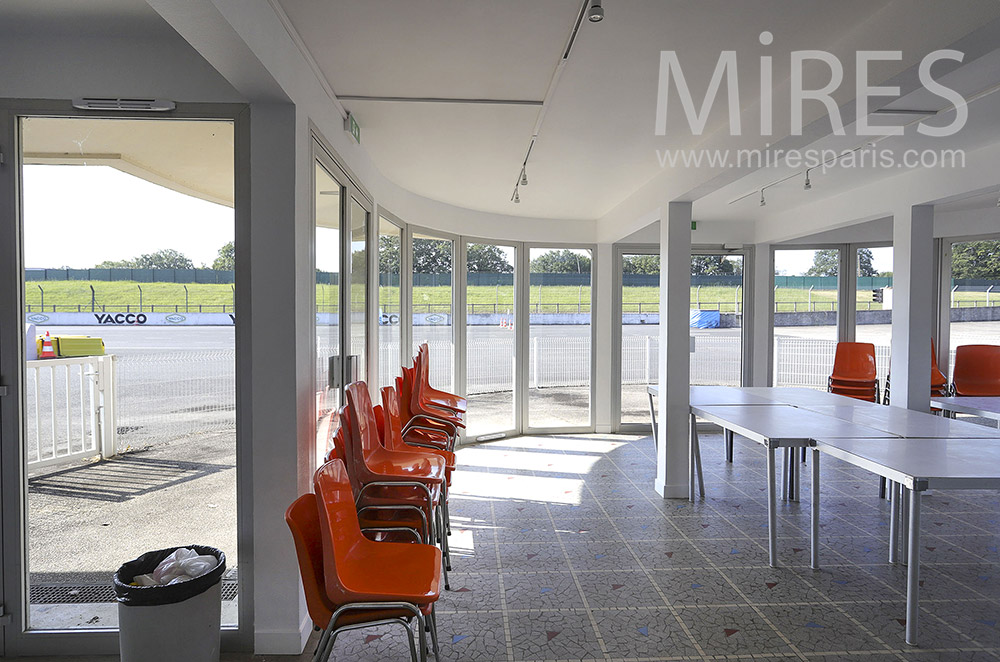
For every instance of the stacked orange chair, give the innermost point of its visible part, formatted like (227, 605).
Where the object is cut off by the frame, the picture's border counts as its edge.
(939, 383)
(977, 370)
(352, 582)
(854, 371)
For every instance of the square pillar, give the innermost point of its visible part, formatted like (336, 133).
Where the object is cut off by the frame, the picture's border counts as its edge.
(759, 317)
(604, 320)
(675, 359)
(912, 307)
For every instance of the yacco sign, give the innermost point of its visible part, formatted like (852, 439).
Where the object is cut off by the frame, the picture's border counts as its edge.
(130, 319)
(726, 68)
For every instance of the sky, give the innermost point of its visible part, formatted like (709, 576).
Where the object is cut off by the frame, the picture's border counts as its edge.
(78, 216)
(797, 262)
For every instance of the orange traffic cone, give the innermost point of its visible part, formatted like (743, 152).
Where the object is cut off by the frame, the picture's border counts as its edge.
(47, 351)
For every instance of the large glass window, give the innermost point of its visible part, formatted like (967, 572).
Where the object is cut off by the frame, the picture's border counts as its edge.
(329, 195)
(359, 288)
(805, 315)
(490, 338)
(717, 319)
(640, 333)
(873, 318)
(129, 428)
(975, 287)
(389, 310)
(559, 338)
(433, 307)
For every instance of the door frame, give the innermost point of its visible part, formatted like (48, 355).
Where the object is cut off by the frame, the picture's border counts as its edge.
(15, 638)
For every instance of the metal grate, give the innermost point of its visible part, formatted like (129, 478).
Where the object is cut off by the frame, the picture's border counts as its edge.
(57, 595)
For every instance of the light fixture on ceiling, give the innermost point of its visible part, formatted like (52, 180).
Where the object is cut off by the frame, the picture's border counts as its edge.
(517, 197)
(524, 177)
(596, 12)
(763, 202)
(809, 184)
(998, 202)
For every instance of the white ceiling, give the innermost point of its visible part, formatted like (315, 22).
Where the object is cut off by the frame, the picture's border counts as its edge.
(80, 17)
(596, 145)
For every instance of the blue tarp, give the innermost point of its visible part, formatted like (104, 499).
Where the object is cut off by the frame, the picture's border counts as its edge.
(704, 319)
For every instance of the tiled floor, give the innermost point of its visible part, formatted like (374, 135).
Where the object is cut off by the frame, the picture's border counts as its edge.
(563, 551)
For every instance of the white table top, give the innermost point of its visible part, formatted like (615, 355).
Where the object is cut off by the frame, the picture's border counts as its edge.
(783, 425)
(986, 407)
(908, 423)
(922, 463)
(805, 396)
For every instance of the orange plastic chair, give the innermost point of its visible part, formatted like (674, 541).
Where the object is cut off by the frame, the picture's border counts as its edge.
(376, 467)
(429, 394)
(977, 370)
(854, 362)
(302, 518)
(414, 412)
(390, 431)
(361, 575)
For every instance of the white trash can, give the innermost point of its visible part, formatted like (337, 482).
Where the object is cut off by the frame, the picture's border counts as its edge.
(173, 622)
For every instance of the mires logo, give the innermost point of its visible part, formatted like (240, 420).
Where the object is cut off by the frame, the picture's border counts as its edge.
(120, 318)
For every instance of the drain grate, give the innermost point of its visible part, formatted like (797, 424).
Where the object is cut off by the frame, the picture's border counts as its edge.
(60, 595)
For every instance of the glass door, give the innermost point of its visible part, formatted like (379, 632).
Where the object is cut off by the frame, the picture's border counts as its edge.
(873, 317)
(127, 378)
(640, 333)
(389, 300)
(806, 315)
(433, 305)
(359, 290)
(328, 199)
(559, 339)
(717, 319)
(491, 341)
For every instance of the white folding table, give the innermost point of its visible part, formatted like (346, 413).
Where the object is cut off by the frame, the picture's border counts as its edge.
(777, 426)
(916, 465)
(981, 406)
(906, 422)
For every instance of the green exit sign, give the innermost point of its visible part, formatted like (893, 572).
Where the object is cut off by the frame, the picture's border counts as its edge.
(351, 126)
(694, 225)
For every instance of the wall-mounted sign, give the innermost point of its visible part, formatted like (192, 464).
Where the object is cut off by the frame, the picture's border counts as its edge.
(351, 126)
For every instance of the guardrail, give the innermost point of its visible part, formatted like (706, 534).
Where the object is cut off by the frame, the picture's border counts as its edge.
(127, 308)
(70, 410)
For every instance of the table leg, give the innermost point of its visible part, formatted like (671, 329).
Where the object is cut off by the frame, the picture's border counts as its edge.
(913, 571)
(697, 461)
(784, 474)
(796, 475)
(772, 507)
(814, 524)
(904, 522)
(652, 416)
(691, 433)
(893, 521)
(729, 446)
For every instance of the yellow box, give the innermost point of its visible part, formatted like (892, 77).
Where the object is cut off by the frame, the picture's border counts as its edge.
(66, 346)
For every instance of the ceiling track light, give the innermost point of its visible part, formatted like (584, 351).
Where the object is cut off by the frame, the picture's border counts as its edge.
(763, 202)
(808, 185)
(596, 12)
(524, 177)
(517, 197)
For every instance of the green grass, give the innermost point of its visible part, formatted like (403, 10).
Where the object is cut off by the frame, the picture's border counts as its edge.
(124, 295)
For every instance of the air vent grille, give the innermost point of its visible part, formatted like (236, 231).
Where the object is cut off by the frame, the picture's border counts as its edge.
(137, 105)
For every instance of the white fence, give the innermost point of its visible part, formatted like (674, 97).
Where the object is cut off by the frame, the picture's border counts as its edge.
(165, 397)
(70, 410)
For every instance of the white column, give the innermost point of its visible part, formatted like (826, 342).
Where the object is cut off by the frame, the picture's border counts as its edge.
(277, 414)
(761, 316)
(674, 360)
(603, 319)
(912, 306)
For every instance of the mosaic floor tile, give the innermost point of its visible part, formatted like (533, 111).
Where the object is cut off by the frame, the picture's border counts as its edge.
(478, 637)
(600, 556)
(701, 586)
(648, 528)
(471, 591)
(525, 531)
(732, 631)
(845, 583)
(532, 557)
(770, 585)
(544, 590)
(644, 633)
(553, 635)
(619, 589)
(586, 530)
(668, 554)
(746, 552)
(979, 620)
(819, 628)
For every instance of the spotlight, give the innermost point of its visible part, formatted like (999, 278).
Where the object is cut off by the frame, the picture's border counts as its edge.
(763, 203)
(524, 178)
(808, 185)
(596, 13)
(517, 198)
(998, 203)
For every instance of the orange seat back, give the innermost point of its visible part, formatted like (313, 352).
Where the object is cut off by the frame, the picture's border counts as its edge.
(302, 518)
(977, 370)
(338, 521)
(855, 362)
